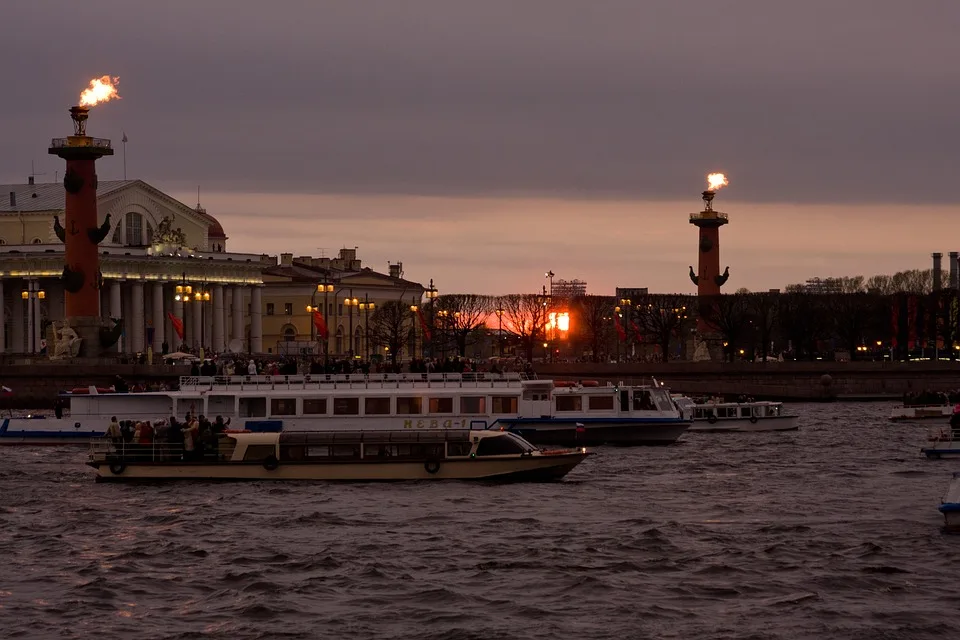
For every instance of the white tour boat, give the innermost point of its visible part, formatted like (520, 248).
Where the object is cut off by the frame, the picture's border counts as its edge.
(950, 505)
(943, 443)
(453, 454)
(737, 416)
(541, 410)
(916, 413)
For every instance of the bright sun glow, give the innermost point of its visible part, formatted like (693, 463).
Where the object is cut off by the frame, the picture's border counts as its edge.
(102, 89)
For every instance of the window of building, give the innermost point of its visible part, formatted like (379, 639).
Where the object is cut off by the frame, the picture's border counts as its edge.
(288, 308)
(376, 406)
(346, 406)
(600, 403)
(289, 333)
(133, 223)
(314, 406)
(2, 241)
(117, 231)
(473, 404)
(504, 404)
(283, 407)
(440, 405)
(270, 308)
(409, 405)
(569, 403)
(36, 241)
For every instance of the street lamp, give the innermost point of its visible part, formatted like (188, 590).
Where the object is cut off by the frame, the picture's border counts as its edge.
(431, 295)
(499, 312)
(33, 295)
(351, 302)
(413, 311)
(366, 306)
(443, 314)
(324, 288)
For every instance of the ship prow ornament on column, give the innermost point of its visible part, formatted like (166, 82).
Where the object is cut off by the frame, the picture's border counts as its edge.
(708, 277)
(83, 333)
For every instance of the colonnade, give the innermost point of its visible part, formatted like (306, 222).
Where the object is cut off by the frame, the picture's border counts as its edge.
(231, 313)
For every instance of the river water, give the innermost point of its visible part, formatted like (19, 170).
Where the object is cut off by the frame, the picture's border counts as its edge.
(828, 532)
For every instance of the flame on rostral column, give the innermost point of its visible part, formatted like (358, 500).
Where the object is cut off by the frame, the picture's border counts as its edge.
(715, 181)
(102, 89)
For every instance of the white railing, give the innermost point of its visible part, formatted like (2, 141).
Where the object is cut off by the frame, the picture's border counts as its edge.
(353, 381)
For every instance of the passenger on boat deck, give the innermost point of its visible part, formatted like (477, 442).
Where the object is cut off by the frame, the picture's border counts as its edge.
(252, 368)
(219, 426)
(113, 431)
(190, 435)
(126, 430)
(146, 433)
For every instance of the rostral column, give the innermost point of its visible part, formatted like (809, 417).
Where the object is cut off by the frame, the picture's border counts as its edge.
(708, 277)
(80, 233)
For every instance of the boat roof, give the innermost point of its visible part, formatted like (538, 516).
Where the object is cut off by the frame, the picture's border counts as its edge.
(358, 381)
(364, 435)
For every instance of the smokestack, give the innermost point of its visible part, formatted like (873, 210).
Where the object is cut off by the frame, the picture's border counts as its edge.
(953, 269)
(937, 271)
(30, 180)
(13, 199)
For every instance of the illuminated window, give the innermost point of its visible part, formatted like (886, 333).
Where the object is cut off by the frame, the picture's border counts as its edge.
(133, 224)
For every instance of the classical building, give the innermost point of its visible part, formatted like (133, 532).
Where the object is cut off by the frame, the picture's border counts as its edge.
(155, 245)
(344, 292)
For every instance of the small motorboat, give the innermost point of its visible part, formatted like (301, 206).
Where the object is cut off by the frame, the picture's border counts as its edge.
(442, 454)
(950, 505)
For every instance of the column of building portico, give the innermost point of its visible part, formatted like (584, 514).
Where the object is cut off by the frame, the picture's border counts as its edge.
(237, 315)
(159, 318)
(196, 333)
(227, 323)
(116, 311)
(18, 343)
(3, 321)
(218, 345)
(256, 320)
(137, 319)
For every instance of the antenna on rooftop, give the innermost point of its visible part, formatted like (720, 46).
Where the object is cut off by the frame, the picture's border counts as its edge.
(33, 173)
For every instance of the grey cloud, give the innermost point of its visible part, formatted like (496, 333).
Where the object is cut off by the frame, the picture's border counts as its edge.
(816, 101)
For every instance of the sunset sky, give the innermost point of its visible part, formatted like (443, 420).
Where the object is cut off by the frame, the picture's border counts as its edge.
(485, 143)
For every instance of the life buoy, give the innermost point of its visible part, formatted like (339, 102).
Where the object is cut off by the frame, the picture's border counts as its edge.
(431, 466)
(590, 383)
(116, 468)
(753, 419)
(562, 383)
(712, 419)
(270, 463)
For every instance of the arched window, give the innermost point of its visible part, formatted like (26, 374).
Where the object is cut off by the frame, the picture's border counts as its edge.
(289, 333)
(339, 341)
(133, 223)
(357, 334)
(37, 241)
(2, 241)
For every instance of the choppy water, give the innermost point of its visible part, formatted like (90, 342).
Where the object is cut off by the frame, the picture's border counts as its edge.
(829, 532)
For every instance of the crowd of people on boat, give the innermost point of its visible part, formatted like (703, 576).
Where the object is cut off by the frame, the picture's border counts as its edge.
(195, 438)
(929, 397)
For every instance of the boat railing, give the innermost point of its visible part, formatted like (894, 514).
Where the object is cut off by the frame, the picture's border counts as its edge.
(106, 450)
(353, 381)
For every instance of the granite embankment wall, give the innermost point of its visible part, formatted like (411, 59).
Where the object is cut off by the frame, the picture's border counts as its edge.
(36, 384)
(776, 380)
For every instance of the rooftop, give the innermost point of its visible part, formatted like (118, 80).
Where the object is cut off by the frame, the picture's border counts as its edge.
(46, 196)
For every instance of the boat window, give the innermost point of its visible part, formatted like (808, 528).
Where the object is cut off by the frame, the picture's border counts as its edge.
(414, 450)
(314, 406)
(642, 401)
(504, 404)
(283, 406)
(253, 407)
(346, 406)
(599, 403)
(409, 405)
(221, 405)
(259, 451)
(698, 414)
(569, 403)
(318, 451)
(662, 400)
(473, 405)
(292, 453)
(744, 412)
(458, 448)
(376, 406)
(498, 446)
(441, 405)
(345, 451)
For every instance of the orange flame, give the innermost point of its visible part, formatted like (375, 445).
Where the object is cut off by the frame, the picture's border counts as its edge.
(715, 181)
(102, 89)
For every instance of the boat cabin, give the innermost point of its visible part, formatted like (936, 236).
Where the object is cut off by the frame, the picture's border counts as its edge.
(737, 411)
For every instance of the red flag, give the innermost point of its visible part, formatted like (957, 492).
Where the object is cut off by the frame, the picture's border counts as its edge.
(320, 324)
(423, 325)
(911, 321)
(177, 324)
(620, 332)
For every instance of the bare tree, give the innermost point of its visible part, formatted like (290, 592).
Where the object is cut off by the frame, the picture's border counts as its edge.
(661, 318)
(526, 316)
(465, 315)
(727, 314)
(590, 314)
(391, 327)
(803, 321)
(852, 315)
(762, 310)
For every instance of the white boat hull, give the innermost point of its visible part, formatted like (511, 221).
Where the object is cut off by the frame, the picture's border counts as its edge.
(530, 468)
(921, 414)
(950, 505)
(937, 449)
(745, 425)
